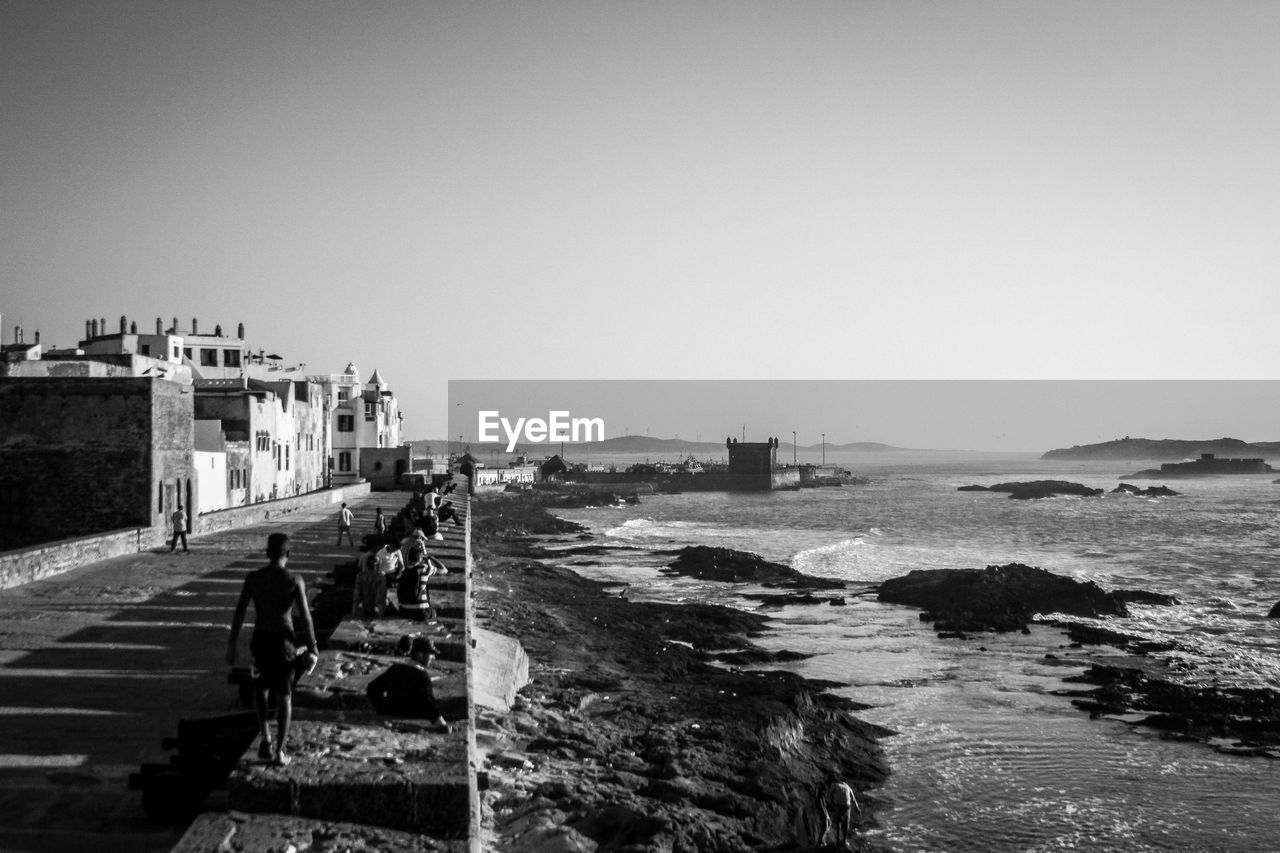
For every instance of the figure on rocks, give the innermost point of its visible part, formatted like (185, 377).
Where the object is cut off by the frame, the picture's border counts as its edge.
(841, 802)
(276, 593)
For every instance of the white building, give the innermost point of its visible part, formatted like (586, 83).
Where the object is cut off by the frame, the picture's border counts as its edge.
(366, 416)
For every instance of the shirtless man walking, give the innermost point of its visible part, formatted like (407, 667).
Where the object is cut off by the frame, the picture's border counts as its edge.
(275, 594)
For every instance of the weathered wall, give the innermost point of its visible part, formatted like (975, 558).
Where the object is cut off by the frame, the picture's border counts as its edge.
(42, 561)
(379, 465)
(76, 454)
(258, 513)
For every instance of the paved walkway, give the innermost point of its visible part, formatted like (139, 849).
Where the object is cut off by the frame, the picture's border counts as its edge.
(98, 665)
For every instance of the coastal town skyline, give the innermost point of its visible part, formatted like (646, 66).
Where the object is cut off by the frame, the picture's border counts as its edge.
(661, 190)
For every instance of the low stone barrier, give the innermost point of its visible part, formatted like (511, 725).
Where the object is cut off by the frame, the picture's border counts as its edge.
(25, 565)
(41, 561)
(258, 513)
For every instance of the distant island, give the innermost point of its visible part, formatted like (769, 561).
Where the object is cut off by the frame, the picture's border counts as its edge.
(1165, 449)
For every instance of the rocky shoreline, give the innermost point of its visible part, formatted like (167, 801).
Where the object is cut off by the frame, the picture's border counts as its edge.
(1135, 680)
(637, 732)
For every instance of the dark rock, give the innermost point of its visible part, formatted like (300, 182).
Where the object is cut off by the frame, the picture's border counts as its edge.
(1141, 596)
(753, 656)
(1149, 492)
(1044, 489)
(972, 489)
(1275, 611)
(725, 564)
(999, 598)
(1159, 492)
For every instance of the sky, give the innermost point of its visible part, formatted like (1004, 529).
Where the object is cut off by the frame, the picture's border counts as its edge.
(982, 415)
(605, 190)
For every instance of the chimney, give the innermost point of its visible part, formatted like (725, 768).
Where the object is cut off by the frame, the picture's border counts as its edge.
(88, 330)
(123, 324)
(174, 331)
(240, 331)
(37, 336)
(217, 331)
(159, 326)
(195, 325)
(94, 327)
(133, 327)
(102, 324)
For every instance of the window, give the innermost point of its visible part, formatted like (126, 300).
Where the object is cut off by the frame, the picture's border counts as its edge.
(186, 352)
(370, 410)
(208, 357)
(344, 461)
(346, 423)
(175, 352)
(286, 457)
(146, 349)
(231, 357)
(344, 394)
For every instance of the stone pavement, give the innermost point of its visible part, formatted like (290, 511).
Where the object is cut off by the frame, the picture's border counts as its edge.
(98, 665)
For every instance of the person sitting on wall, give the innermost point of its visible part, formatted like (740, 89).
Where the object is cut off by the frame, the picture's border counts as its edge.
(404, 690)
(447, 512)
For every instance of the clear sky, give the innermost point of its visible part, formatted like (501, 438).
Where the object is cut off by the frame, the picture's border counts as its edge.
(717, 190)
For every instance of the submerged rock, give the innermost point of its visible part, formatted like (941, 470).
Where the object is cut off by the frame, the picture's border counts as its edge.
(1044, 489)
(999, 598)
(1149, 492)
(1275, 611)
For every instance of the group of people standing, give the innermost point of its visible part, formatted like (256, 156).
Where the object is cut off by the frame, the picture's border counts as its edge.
(394, 557)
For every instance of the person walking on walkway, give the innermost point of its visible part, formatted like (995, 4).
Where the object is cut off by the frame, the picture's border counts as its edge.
(344, 526)
(276, 594)
(179, 522)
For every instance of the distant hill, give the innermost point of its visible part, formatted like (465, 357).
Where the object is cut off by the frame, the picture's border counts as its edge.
(633, 444)
(1166, 449)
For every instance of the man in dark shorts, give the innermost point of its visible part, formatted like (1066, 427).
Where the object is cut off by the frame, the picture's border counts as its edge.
(275, 594)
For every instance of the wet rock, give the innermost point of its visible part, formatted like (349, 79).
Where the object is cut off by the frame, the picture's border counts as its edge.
(1044, 489)
(1149, 492)
(1142, 596)
(1275, 611)
(998, 598)
(730, 566)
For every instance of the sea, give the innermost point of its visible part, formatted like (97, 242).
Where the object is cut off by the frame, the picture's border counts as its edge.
(984, 756)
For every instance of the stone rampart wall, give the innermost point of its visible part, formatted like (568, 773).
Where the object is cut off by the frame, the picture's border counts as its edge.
(41, 561)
